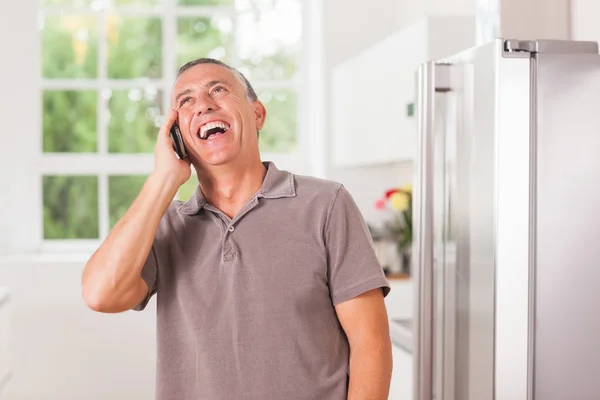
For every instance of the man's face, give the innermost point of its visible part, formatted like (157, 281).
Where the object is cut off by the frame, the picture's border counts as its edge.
(217, 121)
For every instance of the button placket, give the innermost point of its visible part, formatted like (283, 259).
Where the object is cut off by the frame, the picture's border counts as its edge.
(228, 251)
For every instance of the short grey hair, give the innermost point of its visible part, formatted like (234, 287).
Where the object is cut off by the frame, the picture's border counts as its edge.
(250, 93)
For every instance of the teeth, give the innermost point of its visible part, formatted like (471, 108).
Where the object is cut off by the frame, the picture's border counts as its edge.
(211, 125)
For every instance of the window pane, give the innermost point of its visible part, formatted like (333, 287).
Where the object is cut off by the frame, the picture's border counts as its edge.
(204, 2)
(70, 207)
(69, 46)
(279, 133)
(186, 191)
(203, 37)
(122, 191)
(268, 41)
(134, 47)
(69, 119)
(135, 118)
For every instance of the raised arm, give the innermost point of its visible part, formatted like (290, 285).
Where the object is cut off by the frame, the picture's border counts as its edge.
(111, 280)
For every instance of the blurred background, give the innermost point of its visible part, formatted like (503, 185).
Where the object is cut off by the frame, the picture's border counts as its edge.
(85, 84)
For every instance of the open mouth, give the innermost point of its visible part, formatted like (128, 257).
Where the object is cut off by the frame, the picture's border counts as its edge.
(212, 130)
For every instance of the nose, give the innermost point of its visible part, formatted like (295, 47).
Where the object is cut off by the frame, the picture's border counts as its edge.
(205, 105)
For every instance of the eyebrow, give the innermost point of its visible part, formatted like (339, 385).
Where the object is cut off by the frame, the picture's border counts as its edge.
(186, 91)
(190, 90)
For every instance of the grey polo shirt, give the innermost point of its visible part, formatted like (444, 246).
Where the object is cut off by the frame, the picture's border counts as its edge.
(245, 306)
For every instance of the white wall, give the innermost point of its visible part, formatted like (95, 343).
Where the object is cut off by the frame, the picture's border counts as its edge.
(412, 10)
(535, 19)
(19, 112)
(584, 20)
(348, 30)
(63, 351)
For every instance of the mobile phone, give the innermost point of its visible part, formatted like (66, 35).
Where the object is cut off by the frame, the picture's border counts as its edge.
(177, 140)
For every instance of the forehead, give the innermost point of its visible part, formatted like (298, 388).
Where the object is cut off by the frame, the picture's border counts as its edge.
(202, 74)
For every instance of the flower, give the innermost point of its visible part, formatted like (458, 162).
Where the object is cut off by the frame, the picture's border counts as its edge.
(398, 202)
(390, 192)
(380, 204)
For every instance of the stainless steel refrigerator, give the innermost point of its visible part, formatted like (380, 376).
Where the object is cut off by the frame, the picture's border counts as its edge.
(507, 215)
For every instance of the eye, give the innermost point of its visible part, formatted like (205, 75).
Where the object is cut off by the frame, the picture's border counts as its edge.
(184, 101)
(218, 89)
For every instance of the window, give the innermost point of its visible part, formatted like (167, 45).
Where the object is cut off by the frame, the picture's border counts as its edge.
(107, 67)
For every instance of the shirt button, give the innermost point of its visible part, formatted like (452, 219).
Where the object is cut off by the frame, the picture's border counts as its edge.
(229, 257)
(231, 228)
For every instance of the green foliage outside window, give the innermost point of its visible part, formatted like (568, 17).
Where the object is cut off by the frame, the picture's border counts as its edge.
(69, 50)
(69, 121)
(187, 190)
(122, 191)
(69, 47)
(134, 47)
(135, 117)
(70, 207)
(204, 37)
(279, 132)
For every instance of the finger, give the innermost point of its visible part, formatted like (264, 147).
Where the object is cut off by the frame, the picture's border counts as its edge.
(170, 118)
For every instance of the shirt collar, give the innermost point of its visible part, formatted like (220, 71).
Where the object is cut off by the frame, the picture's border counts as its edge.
(276, 184)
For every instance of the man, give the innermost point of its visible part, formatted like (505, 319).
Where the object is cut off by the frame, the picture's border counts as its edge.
(267, 284)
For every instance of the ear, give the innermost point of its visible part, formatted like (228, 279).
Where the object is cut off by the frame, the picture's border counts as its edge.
(260, 114)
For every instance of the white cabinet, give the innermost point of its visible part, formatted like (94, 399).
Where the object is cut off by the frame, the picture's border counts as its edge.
(373, 91)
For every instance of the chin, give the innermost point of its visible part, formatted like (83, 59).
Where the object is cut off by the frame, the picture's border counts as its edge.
(216, 159)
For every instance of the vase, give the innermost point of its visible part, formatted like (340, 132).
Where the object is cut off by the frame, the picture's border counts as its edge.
(406, 258)
(393, 259)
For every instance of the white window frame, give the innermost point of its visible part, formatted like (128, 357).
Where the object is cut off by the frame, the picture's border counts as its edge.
(102, 164)
(22, 162)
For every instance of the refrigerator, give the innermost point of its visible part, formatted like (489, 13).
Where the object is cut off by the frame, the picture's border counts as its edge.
(506, 249)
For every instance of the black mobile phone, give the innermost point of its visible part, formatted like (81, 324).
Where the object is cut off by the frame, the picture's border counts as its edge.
(177, 140)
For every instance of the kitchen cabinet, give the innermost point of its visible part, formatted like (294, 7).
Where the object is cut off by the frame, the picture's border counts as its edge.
(373, 106)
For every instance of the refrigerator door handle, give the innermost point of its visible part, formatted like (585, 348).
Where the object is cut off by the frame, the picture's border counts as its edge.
(423, 236)
(431, 78)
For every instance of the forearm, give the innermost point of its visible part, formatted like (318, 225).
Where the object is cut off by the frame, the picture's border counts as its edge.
(370, 371)
(113, 272)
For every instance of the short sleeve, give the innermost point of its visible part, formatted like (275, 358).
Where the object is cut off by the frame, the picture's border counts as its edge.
(353, 266)
(149, 275)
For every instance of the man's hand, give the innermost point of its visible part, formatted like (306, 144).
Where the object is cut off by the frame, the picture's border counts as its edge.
(166, 162)
(364, 319)
(111, 280)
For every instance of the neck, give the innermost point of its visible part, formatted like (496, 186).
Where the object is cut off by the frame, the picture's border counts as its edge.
(228, 188)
